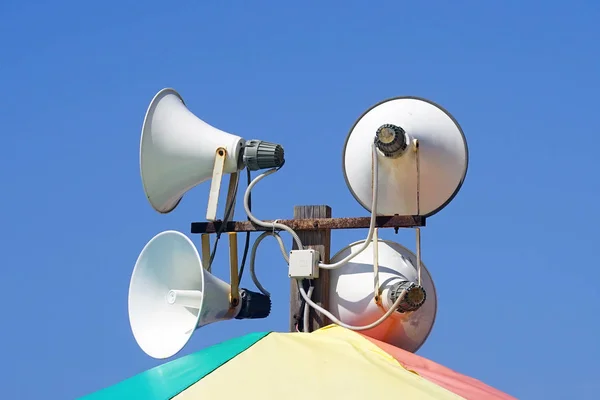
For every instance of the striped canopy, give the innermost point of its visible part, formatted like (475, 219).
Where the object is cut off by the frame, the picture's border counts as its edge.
(330, 363)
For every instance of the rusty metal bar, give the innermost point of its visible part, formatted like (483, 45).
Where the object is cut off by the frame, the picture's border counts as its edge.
(234, 293)
(314, 224)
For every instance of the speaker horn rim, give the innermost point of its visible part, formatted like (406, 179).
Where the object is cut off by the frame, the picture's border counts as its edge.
(157, 97)
(133, 274)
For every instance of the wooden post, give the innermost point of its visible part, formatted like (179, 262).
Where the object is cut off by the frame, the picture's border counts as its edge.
(319, 240)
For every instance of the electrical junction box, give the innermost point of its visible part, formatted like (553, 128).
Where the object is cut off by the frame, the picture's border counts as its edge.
(304, 264)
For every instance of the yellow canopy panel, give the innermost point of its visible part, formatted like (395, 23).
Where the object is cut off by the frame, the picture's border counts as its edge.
(331, 363)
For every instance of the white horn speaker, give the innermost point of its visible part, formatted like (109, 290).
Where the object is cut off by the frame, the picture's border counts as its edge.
(422, 157)
(351, 295)
(171, 295)
(179, 151)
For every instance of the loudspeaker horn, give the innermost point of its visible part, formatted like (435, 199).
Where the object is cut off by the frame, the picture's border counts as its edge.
(351, 294)
(422, 157)
(178, 151)
(171, 295)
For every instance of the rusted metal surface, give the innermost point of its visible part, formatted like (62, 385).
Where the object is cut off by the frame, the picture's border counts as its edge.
(314, 224)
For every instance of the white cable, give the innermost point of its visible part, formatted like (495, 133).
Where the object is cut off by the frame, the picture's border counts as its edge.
(307, 296)
(367, 242)
(307, 311)
(351, 327)
(253, 258)
(285, 256)
(274, 225)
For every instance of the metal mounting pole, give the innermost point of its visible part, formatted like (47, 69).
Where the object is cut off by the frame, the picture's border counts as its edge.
(319, 240)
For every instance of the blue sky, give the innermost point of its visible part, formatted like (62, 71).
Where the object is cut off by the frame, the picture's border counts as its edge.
(520, 77)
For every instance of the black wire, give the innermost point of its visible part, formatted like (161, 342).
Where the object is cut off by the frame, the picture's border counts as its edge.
(247, 244)
(222, 227)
